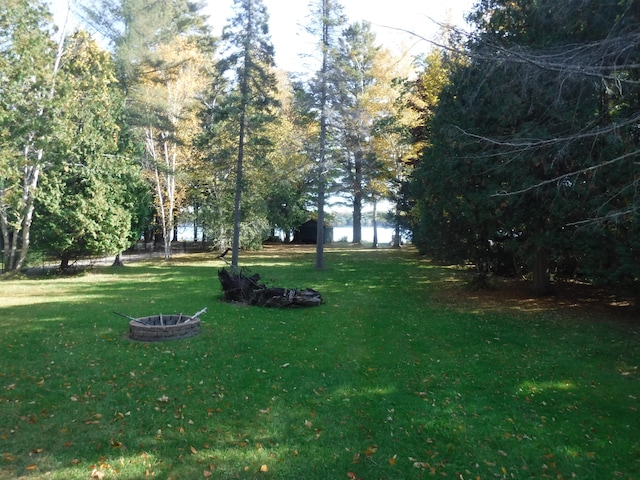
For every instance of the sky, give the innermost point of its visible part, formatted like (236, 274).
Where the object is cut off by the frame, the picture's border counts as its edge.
(288, 17)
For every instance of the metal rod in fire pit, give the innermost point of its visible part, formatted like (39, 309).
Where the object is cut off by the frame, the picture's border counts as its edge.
(197, 314)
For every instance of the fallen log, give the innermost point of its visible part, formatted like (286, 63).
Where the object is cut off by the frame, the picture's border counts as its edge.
(241, 288)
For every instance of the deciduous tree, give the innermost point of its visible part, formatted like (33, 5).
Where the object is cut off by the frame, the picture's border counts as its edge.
(29, 63)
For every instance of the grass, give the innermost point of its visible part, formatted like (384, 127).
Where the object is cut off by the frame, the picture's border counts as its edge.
(379, 382)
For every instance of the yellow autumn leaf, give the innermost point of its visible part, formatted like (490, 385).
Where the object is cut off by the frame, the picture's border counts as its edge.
(371, 449)
(193, 450)
(264, 468)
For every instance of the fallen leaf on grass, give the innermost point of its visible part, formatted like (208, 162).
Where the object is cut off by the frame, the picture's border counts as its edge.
(264, 468)
(371, 449)
(392, 460)
(97, 474)
(193, 450)
(31, 467)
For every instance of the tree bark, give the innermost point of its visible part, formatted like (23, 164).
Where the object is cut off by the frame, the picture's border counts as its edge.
(357, 200)
(117, 262)
(541, 276)
(325, 42)
(375, 224)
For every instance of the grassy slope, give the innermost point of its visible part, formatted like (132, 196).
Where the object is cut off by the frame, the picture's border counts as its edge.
(379, 382)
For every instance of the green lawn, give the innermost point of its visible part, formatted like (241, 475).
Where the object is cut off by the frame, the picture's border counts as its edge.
(380, 382)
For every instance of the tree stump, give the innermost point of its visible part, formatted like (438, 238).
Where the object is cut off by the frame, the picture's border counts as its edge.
(247, 290)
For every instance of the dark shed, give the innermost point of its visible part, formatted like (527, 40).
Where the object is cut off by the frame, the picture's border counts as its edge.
(308, 232)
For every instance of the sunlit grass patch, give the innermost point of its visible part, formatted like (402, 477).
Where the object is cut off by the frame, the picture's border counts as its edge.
(378, 382)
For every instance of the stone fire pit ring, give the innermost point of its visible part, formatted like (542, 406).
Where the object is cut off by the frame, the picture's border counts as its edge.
(157, 328)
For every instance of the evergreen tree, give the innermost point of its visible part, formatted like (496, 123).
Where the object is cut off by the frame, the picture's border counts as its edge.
(327, 19)
(353, 78)
(249, 105)
(162, 52)
(84, 206)
(523, 133)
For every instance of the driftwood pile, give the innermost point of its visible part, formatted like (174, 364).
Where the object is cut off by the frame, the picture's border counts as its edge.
(240, 288)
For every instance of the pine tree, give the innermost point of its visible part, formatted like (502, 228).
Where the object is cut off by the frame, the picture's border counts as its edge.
(249, 59)
(327, 20)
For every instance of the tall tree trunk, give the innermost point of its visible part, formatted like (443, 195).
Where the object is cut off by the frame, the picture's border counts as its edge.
(17, 240)
(396, 237)
(323, 136)
(357, 220)
(375, 224)
(117, 262)
(195, 223)
(244, 89)
(357, 200)
(541, 276)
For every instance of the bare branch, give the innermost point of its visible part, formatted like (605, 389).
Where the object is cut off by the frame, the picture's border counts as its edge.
(569, 175)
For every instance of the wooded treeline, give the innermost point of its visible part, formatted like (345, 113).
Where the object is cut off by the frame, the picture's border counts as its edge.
(531, 161)
(513, 147)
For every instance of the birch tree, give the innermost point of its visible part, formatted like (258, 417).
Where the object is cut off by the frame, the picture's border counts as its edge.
(85, 205)
(167, 100)
(163, 53)
(29, 62)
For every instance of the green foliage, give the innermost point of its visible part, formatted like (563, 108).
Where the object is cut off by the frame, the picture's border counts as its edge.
(381, 381)
(242, 117)
(86, 204)
(27, 111)
(525, 151)
(351, 81)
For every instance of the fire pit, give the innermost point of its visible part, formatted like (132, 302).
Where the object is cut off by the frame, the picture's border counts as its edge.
(156, 328)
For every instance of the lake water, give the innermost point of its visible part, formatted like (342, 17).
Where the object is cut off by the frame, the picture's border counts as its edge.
(185, 233)
(384, 234)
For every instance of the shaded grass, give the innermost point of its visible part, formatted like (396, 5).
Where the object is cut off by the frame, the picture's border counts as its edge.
(379, 382)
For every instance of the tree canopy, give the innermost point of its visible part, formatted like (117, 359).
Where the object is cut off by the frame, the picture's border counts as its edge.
(513, 148)
(531, 146)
